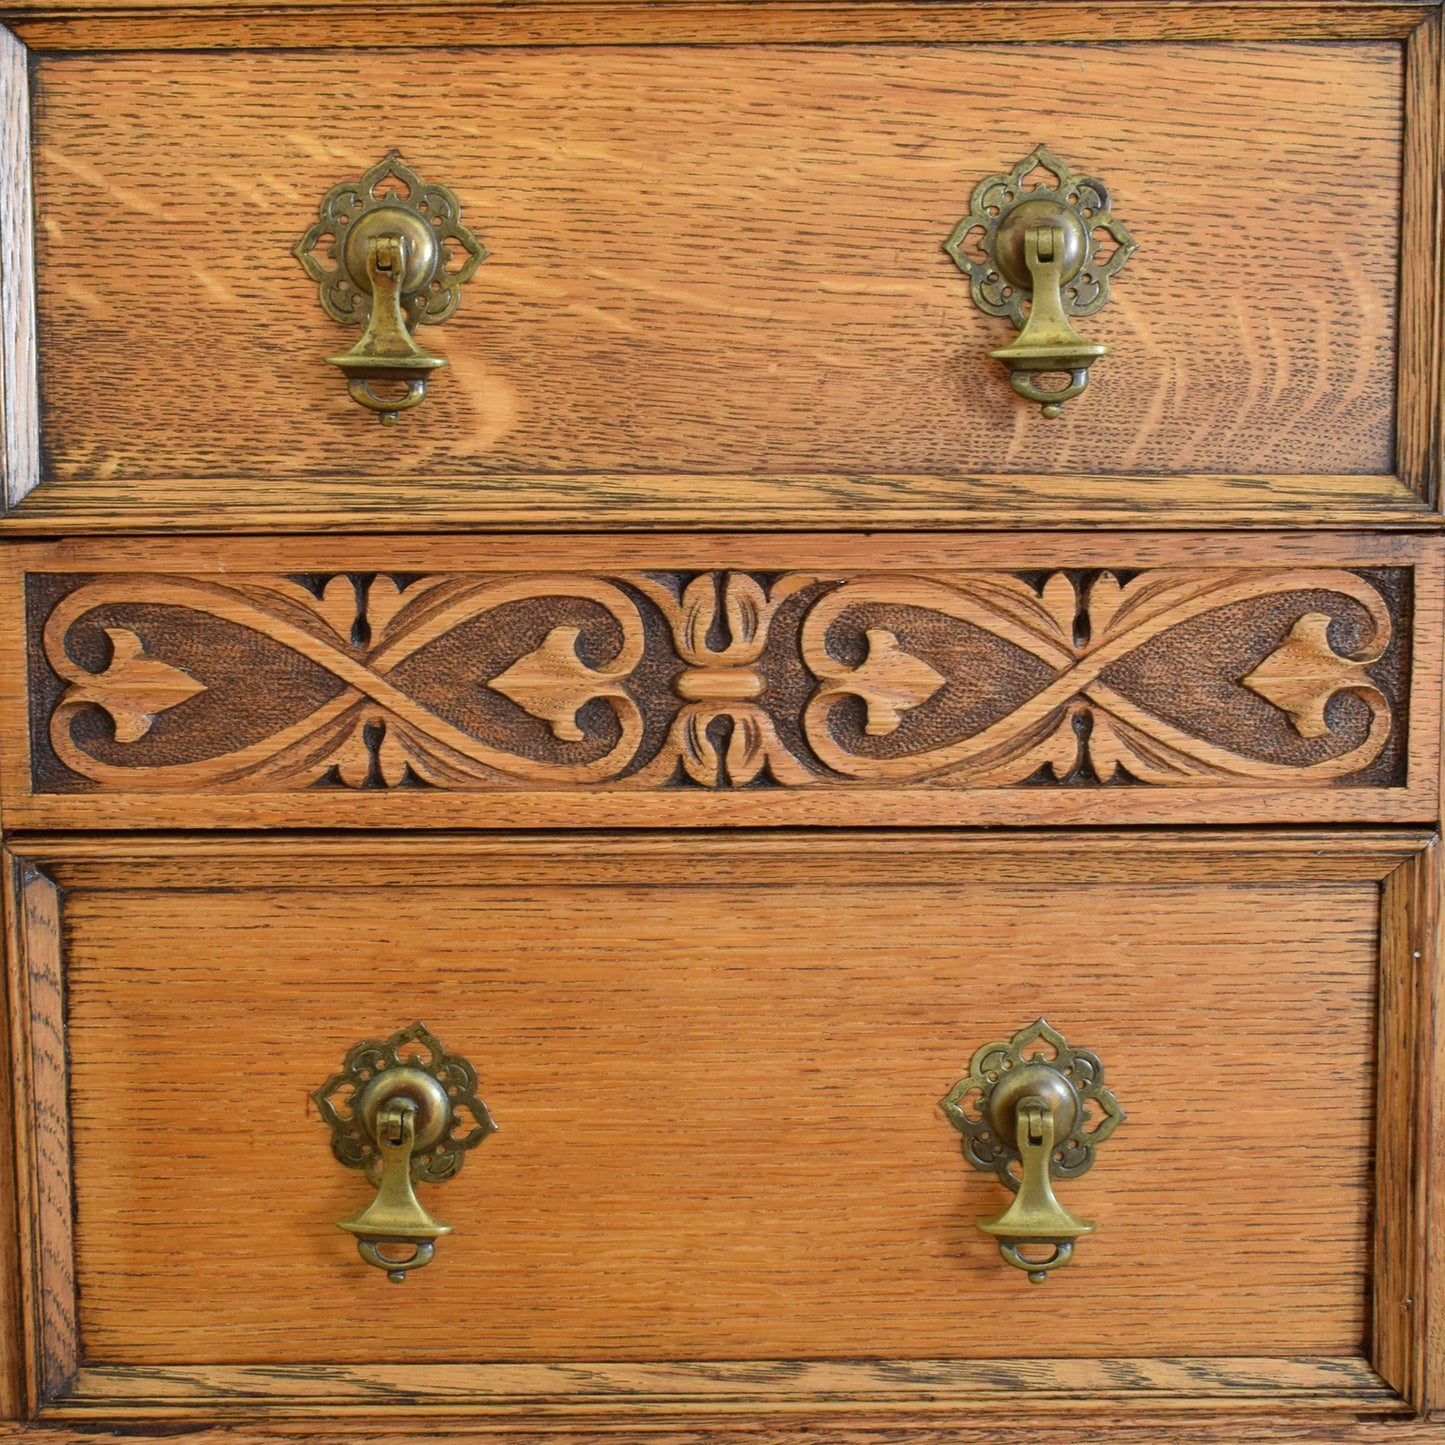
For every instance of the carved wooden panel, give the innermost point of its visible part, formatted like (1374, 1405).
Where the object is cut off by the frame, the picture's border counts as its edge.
(720, 679)
(680, 681)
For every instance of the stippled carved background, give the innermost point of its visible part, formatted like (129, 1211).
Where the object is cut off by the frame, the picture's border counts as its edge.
(1237, 676)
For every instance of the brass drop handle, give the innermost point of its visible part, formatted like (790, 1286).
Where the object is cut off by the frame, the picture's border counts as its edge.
(1044, 1115)
(378, 250)
(403, 1110)
(1038, 260)
(395, 1217)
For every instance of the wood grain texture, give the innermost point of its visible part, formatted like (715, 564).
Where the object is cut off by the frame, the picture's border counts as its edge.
(122, 26)
(103, 870)
(1249, 1426)
(743, 273)
(14, 1159)
(1076, 1387)
(1407, 1189)
(1085, 500)
(719, 1130)
(19, 384)
(1420, 440)
(645, 689)
(48, 1332)
(1244, 1426)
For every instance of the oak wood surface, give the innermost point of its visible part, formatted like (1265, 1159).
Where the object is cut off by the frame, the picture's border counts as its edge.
(19, 398)
(1157, 1429)
(719, 1132)
(339, 890)
(236, 776)
(1421, 432)
(743, 273)
(1079, 865)
(174, 24)
(1405, 1307)
(1085, 500)
(41, 1121)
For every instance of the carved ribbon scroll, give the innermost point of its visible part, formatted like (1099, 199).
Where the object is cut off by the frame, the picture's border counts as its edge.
(1200, 677)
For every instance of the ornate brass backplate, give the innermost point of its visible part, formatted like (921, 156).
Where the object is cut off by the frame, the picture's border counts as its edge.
(380, 251)
(405, 1111)
(1039, 255)
(1047, 1115)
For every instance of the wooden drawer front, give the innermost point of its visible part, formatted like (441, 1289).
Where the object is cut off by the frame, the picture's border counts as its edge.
(716, 285)
(716, 1066)
(724, 680)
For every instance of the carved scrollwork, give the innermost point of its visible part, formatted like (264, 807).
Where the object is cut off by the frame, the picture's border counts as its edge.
(1202, 677)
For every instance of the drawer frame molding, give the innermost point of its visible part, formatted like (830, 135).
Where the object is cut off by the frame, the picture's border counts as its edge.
(43, 1371)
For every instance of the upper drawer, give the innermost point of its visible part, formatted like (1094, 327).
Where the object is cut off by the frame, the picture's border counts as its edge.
(716, 287)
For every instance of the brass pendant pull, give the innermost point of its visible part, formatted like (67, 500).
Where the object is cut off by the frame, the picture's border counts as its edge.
(386, 238)
(1047, 1116)
(412, 1112)
(1040, 256)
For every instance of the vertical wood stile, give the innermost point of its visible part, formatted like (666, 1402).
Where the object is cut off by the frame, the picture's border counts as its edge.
(1419, 429)
(52, 1347)
(19, 377)
(1403, 1157)
(14, 1269)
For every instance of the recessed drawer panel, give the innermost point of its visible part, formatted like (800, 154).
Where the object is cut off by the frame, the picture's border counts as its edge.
(716, 289)
(723, 680)
(715, 1065)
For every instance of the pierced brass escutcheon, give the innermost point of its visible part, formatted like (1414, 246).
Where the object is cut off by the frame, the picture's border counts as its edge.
(405, 1111)
(1046, 1115)
(1038, 258)
(386, 238)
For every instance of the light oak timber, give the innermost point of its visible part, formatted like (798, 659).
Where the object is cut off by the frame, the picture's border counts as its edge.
(1406, 1303)
(124, 964)
(640, 502)
(845, 1391)
(745, 273)
(42, 1133)
(574, 796)
(120, 25)
(919, 1430)
(19, 397)
(152, 869)
(1421, 434)
(15, 1128)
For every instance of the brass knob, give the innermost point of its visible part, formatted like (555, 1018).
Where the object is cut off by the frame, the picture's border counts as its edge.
(1047, 1116)
(1039, 262)
(403, 1110)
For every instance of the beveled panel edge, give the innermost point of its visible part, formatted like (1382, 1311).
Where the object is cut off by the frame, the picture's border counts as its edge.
(645, 502)
(762, 857)
(1419, 426)
(770, 1391)
(19, 377)
(42, 1347)
(240, 24)
(1410, 1178)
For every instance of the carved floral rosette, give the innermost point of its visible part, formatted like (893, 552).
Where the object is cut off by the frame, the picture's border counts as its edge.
(1200, 676)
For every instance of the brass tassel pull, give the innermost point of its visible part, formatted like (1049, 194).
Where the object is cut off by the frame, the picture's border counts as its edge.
(1046, 1116)
(1038, 256)
(404, 1110)
(386, 238)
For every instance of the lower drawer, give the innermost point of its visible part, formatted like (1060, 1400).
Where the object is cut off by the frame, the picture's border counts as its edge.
(715, 1063)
